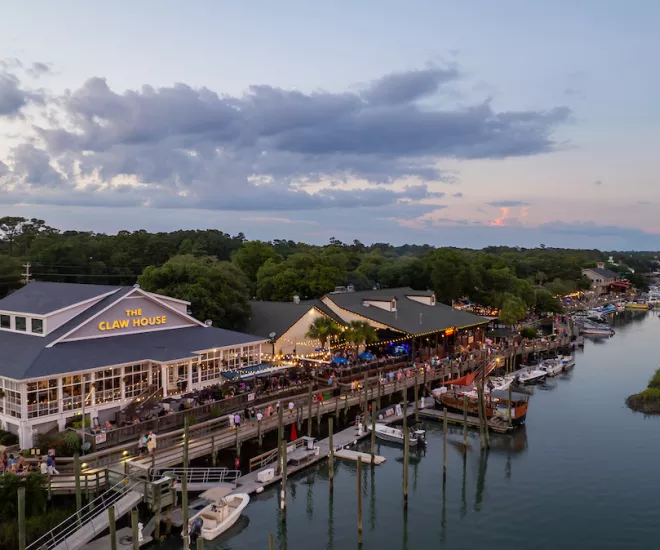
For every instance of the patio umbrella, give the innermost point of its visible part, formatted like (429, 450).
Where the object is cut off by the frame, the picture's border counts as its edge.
(366, 355)
(339, 361)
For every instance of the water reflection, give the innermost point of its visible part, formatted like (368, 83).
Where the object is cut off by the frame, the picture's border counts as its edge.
(481, 479)
(331, 520)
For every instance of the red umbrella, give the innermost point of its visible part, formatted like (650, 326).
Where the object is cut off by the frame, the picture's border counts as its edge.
(294, 435)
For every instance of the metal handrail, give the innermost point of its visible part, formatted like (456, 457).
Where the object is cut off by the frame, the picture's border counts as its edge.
(60, 533)
(198, 475)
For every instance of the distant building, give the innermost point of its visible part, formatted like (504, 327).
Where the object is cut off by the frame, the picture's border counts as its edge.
(601, 278)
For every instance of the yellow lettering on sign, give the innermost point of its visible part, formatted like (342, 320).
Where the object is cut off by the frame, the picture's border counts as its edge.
(138, 322)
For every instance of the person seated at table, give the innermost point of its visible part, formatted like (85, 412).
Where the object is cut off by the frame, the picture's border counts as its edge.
(108, 425)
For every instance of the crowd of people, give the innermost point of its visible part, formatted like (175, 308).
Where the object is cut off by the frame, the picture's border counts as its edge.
(17, 465)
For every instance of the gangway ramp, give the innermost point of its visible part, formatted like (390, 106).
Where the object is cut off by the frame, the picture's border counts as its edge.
(92, 519)
(198, 479)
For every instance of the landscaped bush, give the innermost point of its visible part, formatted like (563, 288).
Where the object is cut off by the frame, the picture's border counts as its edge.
(7, 438)
(65, 443)
(529, 333)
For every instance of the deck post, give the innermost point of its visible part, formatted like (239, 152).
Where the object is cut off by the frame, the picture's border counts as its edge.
(359, 498)
(214, 453)
(76, 471)
(260, 438)
(318, 416)
(280, 436)
(416, 400)
(284, 476)
(337, 408)
(238, 442)
(98, 485)
(482, 419)
(168, 518)
(444, 446)
(134, 530)
(271, 541)
(113, 528)
(22, 530)
(157, 506)
(309, 411)
(465, 399)
(373, 434)
(331, 454)
(380, 386)
(184, 483)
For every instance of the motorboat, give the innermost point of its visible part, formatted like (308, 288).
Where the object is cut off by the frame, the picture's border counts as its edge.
(593, 330)
(396, 435)
(495, 383)
(530, 375)
(498, 402)
(218, 516)
(637, 306)
(567, 361)
(552, 367)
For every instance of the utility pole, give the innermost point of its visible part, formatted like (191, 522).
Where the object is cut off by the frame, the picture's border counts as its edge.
(26, 275)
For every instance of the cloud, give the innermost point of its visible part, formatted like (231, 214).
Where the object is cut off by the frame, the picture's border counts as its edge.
(638, 202)
(180, 146)
(507, 204)
(39, 69)
(458, 195)
(598, 182)
(269, 219)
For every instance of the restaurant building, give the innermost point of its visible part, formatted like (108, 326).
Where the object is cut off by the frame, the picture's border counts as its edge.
(61, 342)
(401, 317)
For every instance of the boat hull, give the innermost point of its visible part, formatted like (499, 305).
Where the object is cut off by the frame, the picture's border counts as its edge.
(453, 404)
(218, 517)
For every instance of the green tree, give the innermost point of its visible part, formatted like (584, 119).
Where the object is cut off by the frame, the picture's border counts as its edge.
(323, 329)
(360, 333)
(513, 310)
(251, 256)
(217, 290)
(10, 227)
(547, 303)
(10, 274)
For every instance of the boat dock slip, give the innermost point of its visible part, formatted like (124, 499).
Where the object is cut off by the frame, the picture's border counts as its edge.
(124, 541)
(472, 421)
(365, 458)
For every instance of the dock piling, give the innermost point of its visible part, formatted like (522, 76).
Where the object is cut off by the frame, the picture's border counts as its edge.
(22, 530)
(365, 387)
(158, 511)
(284, 476)
(406, 453)
(444, 446)
(134, 530)
(416, 400)
(331, 454)
(465, 399)
(76, 470)
(510, 419)
(373, 433)
(280, 437)
(359, 498)
(309, 412)
(184, 482)
(214, 453)
(271, 541)
(200, 543)
(113, 528)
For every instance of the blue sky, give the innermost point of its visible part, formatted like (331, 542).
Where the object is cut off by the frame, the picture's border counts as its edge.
(448, 123)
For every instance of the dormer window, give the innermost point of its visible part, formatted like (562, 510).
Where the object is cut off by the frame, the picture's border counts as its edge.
(21, 324)
(433, 300)
(37, 326)
(5, 321)
(393, 305)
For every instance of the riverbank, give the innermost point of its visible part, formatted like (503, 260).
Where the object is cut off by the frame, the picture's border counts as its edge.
(647, 401)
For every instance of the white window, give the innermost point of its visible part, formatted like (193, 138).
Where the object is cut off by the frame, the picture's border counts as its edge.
(136, 379)
(13, 398)
(42, 398)
(37, 326)
(72, 391)
(107, 385)
(21, 324)
(210, 365)
(5, 321)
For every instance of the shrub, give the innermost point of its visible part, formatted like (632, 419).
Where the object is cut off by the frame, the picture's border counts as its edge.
(7, 438)
(529, 333)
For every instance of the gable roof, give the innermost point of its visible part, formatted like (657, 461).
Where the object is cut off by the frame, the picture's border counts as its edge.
(278, 317)
(41, 298)
(411, 316)
(603, 272)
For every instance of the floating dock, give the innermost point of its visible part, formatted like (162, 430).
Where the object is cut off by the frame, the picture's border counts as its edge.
(365, 458)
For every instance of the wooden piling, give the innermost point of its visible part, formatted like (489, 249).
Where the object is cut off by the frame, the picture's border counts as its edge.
(480, 407)
(284, 476)
(416, 400)
(510, 418)
(168, 518)
(280, 437)
(380, 386)
(359, 499)
(158, 511)
(331, 454)
(134, 530)
(318, 416)
(465, 400)
(271, 541)
(444, 445)
(373, 434)
(22, 529)
(337, 409)
(309, 411)
(200, 543)
(113, 528)
(184, 483)
(76, 471)
(98, 486)
(406, 456)
(214, 454)
(365, 387)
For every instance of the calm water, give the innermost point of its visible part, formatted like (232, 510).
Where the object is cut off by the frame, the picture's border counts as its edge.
(583, 474)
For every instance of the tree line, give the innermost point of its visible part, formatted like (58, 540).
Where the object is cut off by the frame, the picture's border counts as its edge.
(219, 272)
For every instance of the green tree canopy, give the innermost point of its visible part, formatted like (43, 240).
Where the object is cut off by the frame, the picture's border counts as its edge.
(323, 329)
(217, 290)
(513, 310)
(251, 256)
(547, 303)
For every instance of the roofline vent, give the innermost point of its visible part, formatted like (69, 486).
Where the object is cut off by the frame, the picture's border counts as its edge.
(136, 285)
(208, 323)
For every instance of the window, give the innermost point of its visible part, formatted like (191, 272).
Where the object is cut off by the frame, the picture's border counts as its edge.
(72, 391)
(253, 356)
(37, 326)
(5, 321)
(21, 324)
(108, 385)
(13, 398)
(136, 379)
(210, 365)
(42, 398)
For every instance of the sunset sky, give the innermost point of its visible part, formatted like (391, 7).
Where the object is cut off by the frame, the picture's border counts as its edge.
(515, 122)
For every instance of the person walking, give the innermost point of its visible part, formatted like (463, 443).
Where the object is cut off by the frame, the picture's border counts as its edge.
(237, 420)
(151, 442)
(50, 465)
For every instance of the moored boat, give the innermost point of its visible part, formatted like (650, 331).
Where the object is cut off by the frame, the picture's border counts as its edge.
(218, 516)
(529, 375)
(552, 367)
(592, 330)
(396, 435)
(567, 361)
(637, 306)
(497, 402)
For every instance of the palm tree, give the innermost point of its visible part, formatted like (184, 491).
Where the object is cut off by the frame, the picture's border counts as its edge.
(322, 329)
(359, 333)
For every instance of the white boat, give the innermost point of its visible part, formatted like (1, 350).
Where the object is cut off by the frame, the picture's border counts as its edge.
(395, 435)
(552, 367)
(567, 361)
(218, 516)
(500, 383)
(593, 330)
(530, 375)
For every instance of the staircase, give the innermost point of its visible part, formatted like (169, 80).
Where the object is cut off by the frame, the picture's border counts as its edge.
(92, 519)
(146, 399)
